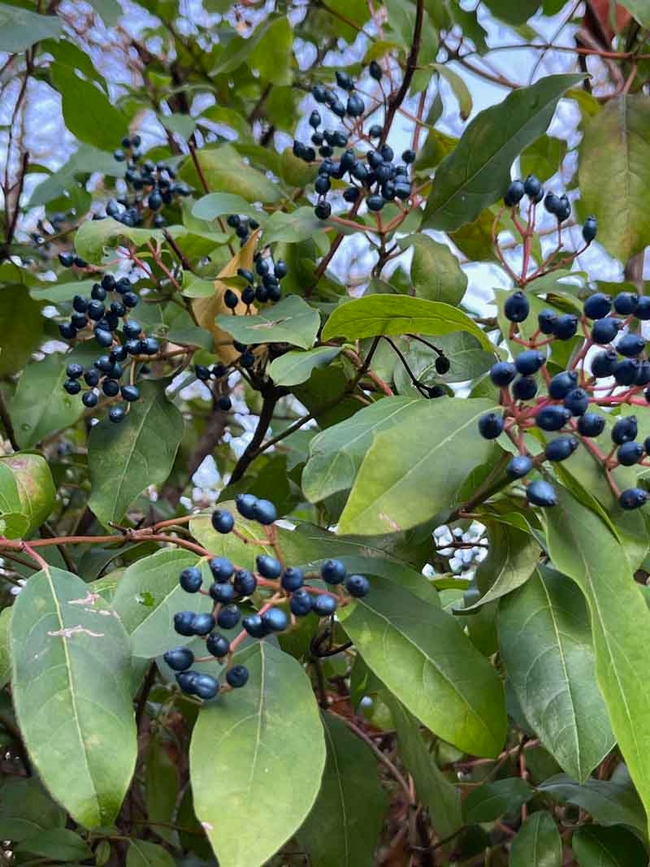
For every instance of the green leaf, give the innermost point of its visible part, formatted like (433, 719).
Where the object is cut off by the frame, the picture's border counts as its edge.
(109, 11)
(373, 315)
(26, 809)
(143, 854)
(607, 847)
(336, 453)
(412, 472)
(87, 111)
(291, 320)
(21, 28)
(640, 10)
(5, 646)
(294, 227)
(477, 172)
(34, 486)
(216, 205)
(72, 694)
(435, 271)
(161, 784)
(614, 155)
(609, 803)
(545, 643)
(429, 664)
(58, 845)
(271, 57)
(491, 800)
(440, 796)
(513, 13)
(582, 547)
(293, 368)
(60, 292)
(543, 157)
(260, 752)
(344, 824)
(147, 597)
(459, 88)
(21, 326)
(93, 236)
(537, 844)
(224, 170)
(124, 459)
(467, 358)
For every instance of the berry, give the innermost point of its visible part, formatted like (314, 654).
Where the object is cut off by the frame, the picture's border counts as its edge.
(643, 308)
(333, 572)
(103, 337)
(80, 304)
(626, 371)
(244, 582)
(264, 512)
(323, 210)
(230, 299)
(590, 229)
(625, 430)
(519, 466)
(228, 616)
(323, 605)
(222, 569)
(591, 425)
(355, 106)
(132, 328)
(90, 399)
(237, 676)
(91, 378)
(186, 680)
(577, 401)
(154, 201)
(546, 321)
(222, 521)
(524, 388)
(529, 362)
(603, 363)
(202, 624)
(217, 644)
(552, 203)
(245, 505)
(301, 603)
(630, 345)
(224, 403)
(222, 592)
(130, 299)
(629, 453)
(517, 307)
(633, 498)
(561, 448)
(190, 579)
(111, 388)
(643, 374)
(562, 384)
(605, 330)
(351, 195)
(541, 493)
(375, 130)
(179, 658)
(375, 203)
(357, 585)
(375, 72)
(490, 425)
(565, 326)
(408, 156)
(183, 622)
(343, 80)
(268, 566)
(275, 620)
(502, 373)
(533, 186)
(72, 386)
(626, 303)
(442, 365)
(597, 306)
(66, 259)
(205, 686)
(254, 626)
(80, 262)
(514, 194)
(551, 418)
(130, 393)
(292, 578)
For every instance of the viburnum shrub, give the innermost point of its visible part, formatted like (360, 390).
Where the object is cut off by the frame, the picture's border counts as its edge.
(324, 434)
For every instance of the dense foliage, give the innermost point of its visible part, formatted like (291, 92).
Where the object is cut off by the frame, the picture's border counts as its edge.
(325, 434)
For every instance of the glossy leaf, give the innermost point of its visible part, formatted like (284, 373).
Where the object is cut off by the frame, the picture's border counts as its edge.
(56, 844)
(87, 111)
(26, 809)
(435, 271)
(21, 28)
(608, 847)
(537, 844)
(139, 451)
(292, 368)
(430, 665)
(609, 803)
(216, 205)
(412, 472)
(258, 751)
(72, 694)
(226, 172)
(491, 800)
(292, 321)
(21, 324)
(476, 174)
(26, 489)
(344, 824)
(144, 854)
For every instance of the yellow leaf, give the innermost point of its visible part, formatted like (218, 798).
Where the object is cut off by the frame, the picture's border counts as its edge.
(207, 309)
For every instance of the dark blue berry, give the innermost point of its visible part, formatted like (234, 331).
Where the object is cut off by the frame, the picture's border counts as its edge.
(643, 373)
(179, 658)
(375, 130)
(642, 311)
(546, 321)
(74, 370)
(625, 372)
(323, 605)
(130, 300)
(625, 430)
(541, 493)
(190, 579)
(333, 572)
(590, 229)
(301, 603)
(90, 399)
(551, 418)
(66, 259)
(629, 453)
(626, 303)
(605, 330)
(519, 466)
(79, 320)
(597, 306)
(355, 106)
(630, 345)
(562, 384)
(552, 203)
(222, 569)
(72, 386)
(104, 338)
(184, 622)
(375, 202)
(223, 521)
(603, 363)
(292, 578)
(202, 623)
(323, 210)
(517, 307)
(268, 566)
(533, 186)
(591, 425)
(275, 620)
(217, 644)
(375, 71)
(130, 393)
(228, 616)
(408, 156)
(132, 328)
(514, 194)
(502, 373)
(230, 299)
(357, 585)
(222, 592)
(224, 403)
(633, 498)
(111, 388)
(529, 362)
(237, 676)
(244, 582)
(205, 686)
(254, 626)
(91, 378)
(80, 304)
(577, 401)
(187, 680)
(524, 388)
(264, 512)
(490, 425)
(565, 326)
(561, 448)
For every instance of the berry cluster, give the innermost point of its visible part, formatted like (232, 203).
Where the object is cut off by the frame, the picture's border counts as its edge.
(231, 585)
(373, 174)
(559, 206)
(261, 287)
(609, 369)
(113, 329)
(243, 226)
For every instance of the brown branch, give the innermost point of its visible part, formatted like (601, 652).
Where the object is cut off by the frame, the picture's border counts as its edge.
(395, 101)
(270, 396)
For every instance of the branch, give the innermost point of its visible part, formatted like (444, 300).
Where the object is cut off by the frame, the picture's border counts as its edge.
(270, 396)
(395, 101)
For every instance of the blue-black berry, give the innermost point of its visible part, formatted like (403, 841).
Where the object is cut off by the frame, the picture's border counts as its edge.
(223, 521)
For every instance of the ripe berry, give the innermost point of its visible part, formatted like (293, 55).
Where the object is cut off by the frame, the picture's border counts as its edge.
(191, 579)
(179, 658)
(626, 303)
(517, 307)
(629, 453)
(202, 624)
(552, 203)
(524, 388)
(625, 430)
(533, 186)
(254, 626)
(551, 418)
(301, 603)
(565, 326)
(633, 498)
(561, 448)
(103, 337)
(132, 328)
(222, 521)
(546, 321)
(224, 403)
(514, 194)
(529, 362)
(130, 300)
(323, 605)
(343, 80)
(603, 363)
(228, 616)
(91, 378)
(130, 393)
(268, 566)
(323, 210)
(230, 299)
(490, 425)
(375, 130)
(217, 644)
(183, 622)
(642, 311)
(237, 676)
(244, 582)
(90, 399)
(111, 388)
(275, 620)
(66, 259)
(222, 569)
(519, 466)
(597, 306)
(625, 372)
(630, 345)
(80, 304)
(186, 680)
(205, 686)
(357, 585)
(72, 386)
(562, 384)
(643, 373)
(222, 592)
(442, 365)
(541, 493)
(605, 330)
(375, 203)
(591, 425)
(264, 512)
(375, 72)
(577, 401)
(333, 572)
(590, 229)
(292, 578)
(408, 156)
(355, 106)
(502, 373)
